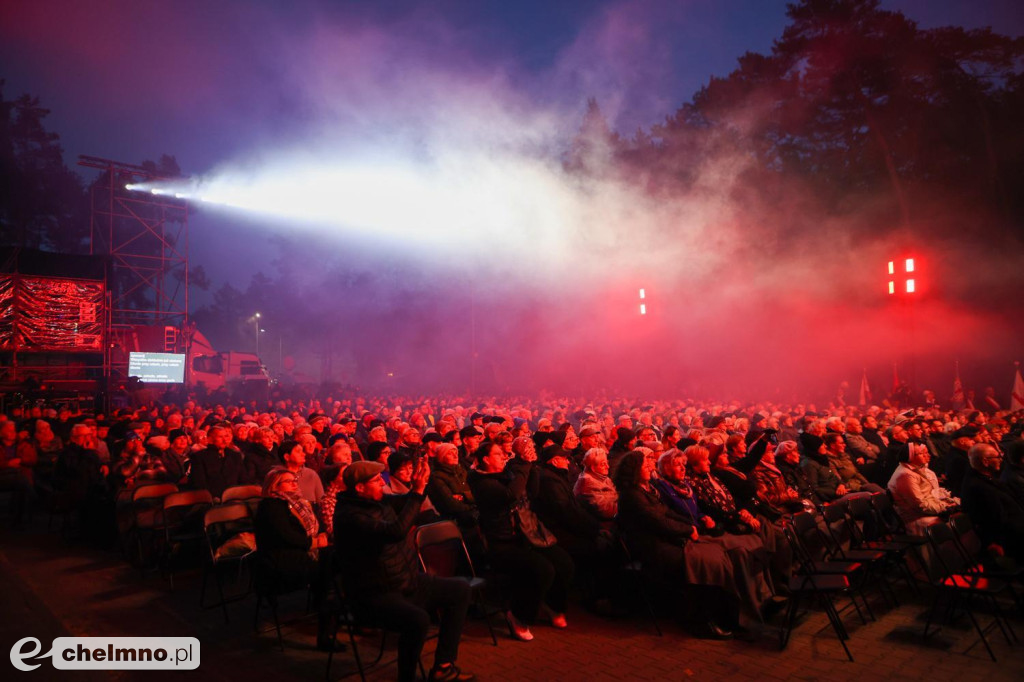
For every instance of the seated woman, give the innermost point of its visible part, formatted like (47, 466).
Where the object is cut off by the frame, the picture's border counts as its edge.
(715, 500)
(449, 492)
(400, 465)
(772, 489)
(747, 552)
(669, 548)
(916, 494)
(671, 437)
(595, 490)
(712, 495)
(735, 467)
(787, 460)
(591, 547)
(539, 576)
(288, 541)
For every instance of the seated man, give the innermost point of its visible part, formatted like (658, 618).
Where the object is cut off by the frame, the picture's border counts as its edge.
(863, 453)
(997, 516)
(381, 574)
(219, 466)
(310, 486)
(787, 459)
(916, 493)
(852, 478)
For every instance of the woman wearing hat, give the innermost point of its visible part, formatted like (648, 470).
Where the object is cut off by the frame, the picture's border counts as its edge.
(540, 577)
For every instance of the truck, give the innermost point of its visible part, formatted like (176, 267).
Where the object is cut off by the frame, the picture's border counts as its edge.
(206, 369)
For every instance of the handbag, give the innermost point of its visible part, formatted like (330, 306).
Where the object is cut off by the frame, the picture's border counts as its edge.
(530, 527)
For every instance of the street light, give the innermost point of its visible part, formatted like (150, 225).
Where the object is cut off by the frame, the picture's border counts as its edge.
(258, 330)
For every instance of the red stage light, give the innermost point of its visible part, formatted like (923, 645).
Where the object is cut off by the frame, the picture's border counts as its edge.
(909, 284)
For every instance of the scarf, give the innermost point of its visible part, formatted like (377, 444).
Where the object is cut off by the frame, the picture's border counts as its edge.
(303, 510)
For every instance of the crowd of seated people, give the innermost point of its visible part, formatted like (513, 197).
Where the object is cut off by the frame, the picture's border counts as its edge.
(550, 494)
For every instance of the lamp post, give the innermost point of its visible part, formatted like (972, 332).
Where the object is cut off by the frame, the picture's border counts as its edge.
(257, 321)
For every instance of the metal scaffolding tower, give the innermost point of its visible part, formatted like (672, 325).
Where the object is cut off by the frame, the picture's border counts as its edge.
(145, 237)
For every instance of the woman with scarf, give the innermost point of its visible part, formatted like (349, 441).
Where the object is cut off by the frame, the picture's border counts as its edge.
(746, 552)
(595, 490)
(671, 552)
(288, 542)
(735, 516)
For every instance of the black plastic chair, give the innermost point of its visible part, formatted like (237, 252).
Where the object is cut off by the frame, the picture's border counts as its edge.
(811, 555)
(855, 519)
(890, 523)
(147, 503)
(345, 616)
(442, 552)
(965, 587)
(836, 538)
(183, 524)
(823, 587)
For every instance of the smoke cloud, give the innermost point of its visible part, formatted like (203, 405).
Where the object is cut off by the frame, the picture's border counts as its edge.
(394, 143)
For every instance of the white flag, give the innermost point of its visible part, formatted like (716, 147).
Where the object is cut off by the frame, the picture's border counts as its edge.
(1017, 397)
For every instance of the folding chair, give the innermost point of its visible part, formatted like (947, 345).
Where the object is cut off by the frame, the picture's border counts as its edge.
(973, 549)
(346, 615)
(890, 524)
(182, 522)
(633, 575)
(442, 552)
(958, 582)
(811, 555)
(823, 587)
(222, 524)
(865, 534)
(844, 541)
(147, 502)
(248, 494)
(837, 541)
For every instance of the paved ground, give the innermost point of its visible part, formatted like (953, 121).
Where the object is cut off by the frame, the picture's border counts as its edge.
(53, 587)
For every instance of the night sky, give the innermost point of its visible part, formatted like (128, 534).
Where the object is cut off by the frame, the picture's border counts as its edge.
(210, 81)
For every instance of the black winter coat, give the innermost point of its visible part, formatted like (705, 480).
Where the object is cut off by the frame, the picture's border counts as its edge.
(282, 545)
(560, 510)
(445, 483)
(996, 515)
(211, 471)
(653, 531)
(497, 493)
(374, 550)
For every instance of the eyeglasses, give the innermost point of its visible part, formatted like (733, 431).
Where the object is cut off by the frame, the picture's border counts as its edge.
(288, 480)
